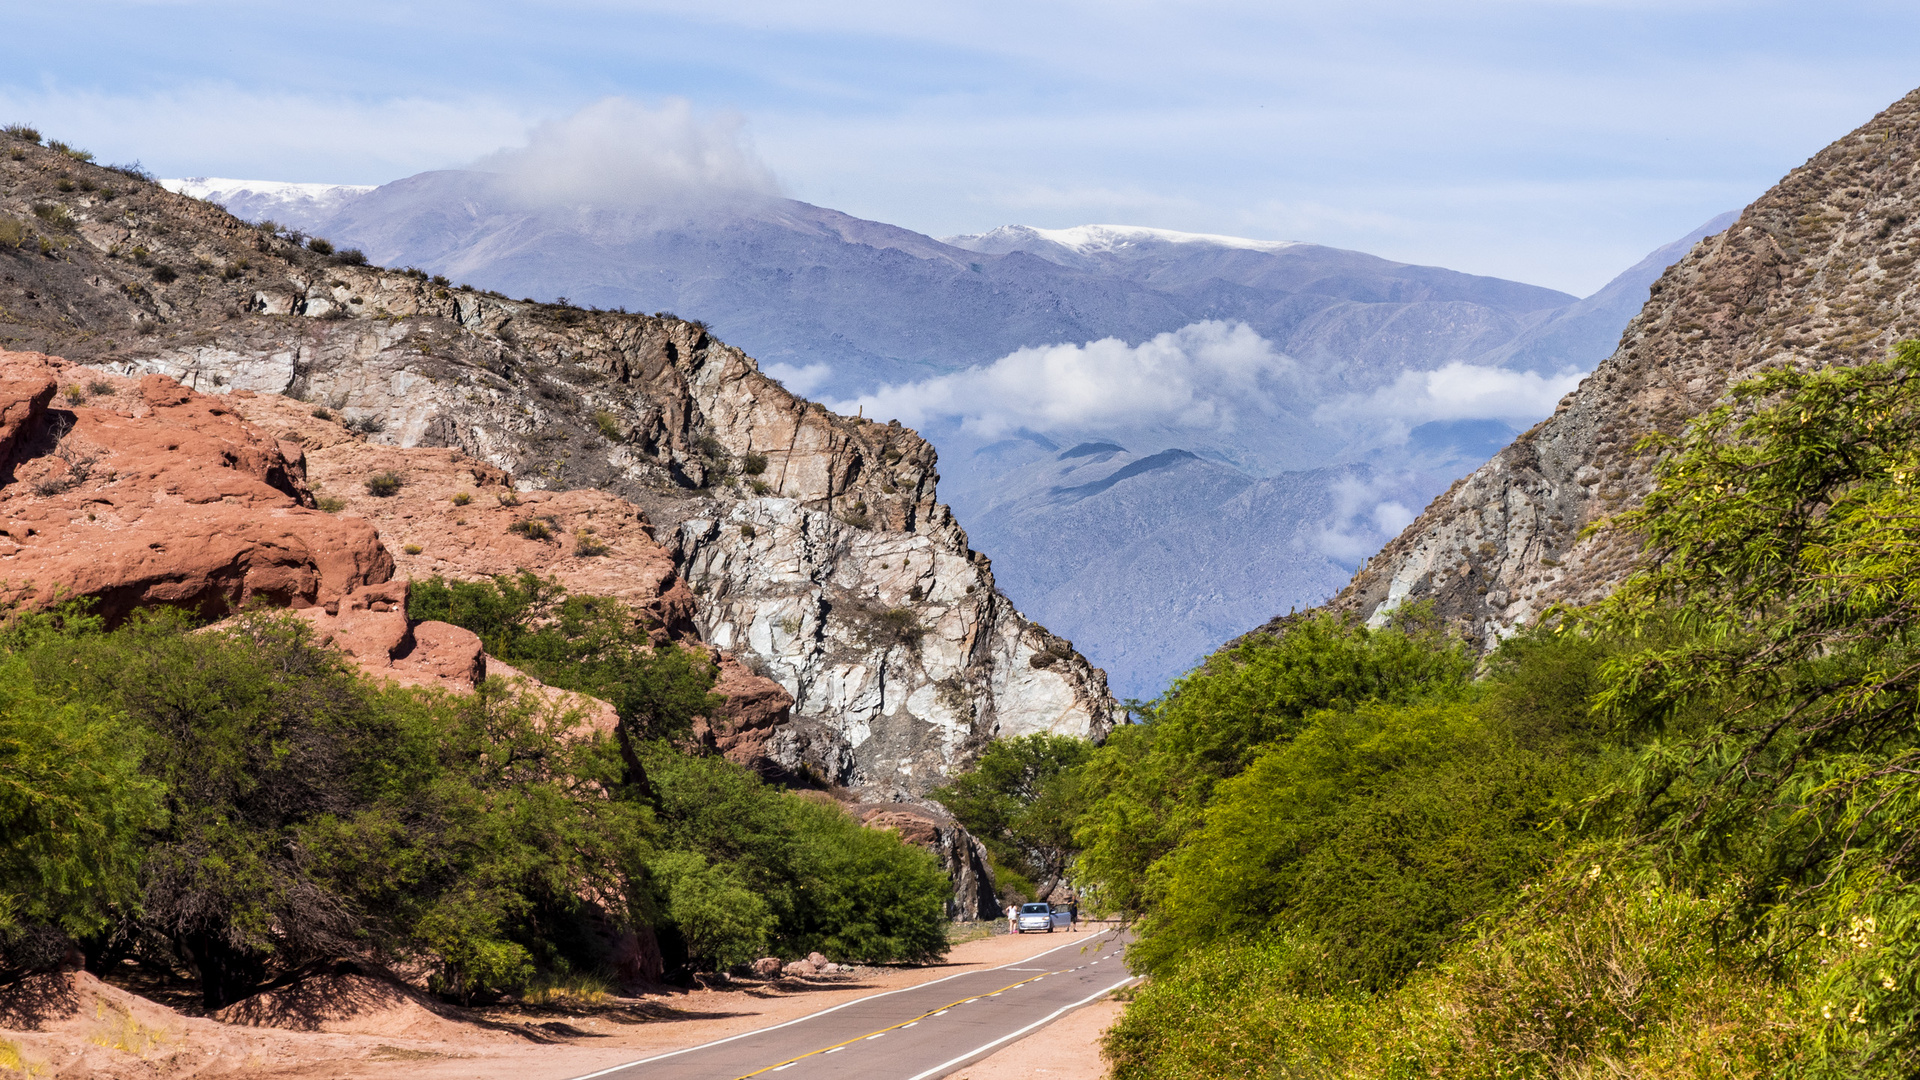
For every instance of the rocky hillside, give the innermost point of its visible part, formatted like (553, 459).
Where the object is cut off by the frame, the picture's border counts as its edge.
(1817, 271)
(814, 545)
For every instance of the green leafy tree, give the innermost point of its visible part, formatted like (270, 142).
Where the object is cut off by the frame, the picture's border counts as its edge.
(1775, 692)
(73, 805)
(1373, 835)
(829, 884)
(594, 645)
(1154, 780)
(1023, 799)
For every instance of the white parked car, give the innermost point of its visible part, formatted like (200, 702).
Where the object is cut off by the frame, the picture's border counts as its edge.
(1034, 918)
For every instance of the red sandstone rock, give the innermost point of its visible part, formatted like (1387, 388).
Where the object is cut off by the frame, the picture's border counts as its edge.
(159, 496)
(476, 539)
(756, 707)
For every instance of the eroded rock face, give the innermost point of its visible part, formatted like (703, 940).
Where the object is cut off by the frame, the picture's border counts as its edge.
(814, 544)
(1818, 271)
(144, 494)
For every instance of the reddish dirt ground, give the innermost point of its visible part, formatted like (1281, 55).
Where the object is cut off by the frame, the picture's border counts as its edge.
(85, 1028)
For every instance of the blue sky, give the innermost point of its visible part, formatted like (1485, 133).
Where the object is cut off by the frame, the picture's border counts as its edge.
(1553, 142)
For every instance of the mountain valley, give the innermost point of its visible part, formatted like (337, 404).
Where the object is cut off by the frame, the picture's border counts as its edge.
(865, 315)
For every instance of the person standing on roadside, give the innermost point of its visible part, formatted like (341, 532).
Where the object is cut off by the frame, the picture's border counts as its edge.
(1073, 916)
(1013, 919)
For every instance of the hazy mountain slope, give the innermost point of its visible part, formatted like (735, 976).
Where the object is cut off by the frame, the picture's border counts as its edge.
(1568, 338)
(869, 303)
(801, 284)
(1819, 270)
(1150, 561)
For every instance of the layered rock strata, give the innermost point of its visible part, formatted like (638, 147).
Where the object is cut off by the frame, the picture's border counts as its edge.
(815, 544)
(1818, 271)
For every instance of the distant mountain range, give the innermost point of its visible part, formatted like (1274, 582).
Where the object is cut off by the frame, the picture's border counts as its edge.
(1214, 525)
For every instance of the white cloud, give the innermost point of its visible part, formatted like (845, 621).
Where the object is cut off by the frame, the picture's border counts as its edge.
(1457, 391)
(1206, 379)
(799, 380)
(618, 152)
(1367, 512)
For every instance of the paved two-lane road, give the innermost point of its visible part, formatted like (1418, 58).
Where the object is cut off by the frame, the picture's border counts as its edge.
(919, 1033)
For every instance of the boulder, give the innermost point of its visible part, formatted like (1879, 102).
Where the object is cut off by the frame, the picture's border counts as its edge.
(757, 709)
(801, 969)
(767, 967)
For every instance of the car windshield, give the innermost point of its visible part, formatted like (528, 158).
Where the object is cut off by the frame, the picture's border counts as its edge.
(1035, 909)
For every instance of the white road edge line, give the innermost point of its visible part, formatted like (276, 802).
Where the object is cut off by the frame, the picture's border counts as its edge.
(823, 1012)
(1049, 1018)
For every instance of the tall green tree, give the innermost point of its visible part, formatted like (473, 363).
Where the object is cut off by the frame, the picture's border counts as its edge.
(1152, 781)
(1023, 799)
(591, 644)
(73, 807)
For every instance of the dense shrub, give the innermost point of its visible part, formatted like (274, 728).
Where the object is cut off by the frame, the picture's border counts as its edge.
(73, 803)
(238, 803)
(1156, 778)
(1597, 977)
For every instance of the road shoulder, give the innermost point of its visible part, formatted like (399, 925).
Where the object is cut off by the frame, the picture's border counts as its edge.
(1067, 1049)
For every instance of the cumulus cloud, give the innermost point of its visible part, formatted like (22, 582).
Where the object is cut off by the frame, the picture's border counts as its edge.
(1457, 391)
(1208, 379)
(618, 152)
(1367, 512)
(799, 380)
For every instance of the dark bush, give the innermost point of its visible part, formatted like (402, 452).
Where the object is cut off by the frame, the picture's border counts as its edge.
(351, 257)
(55, 215)
(22, 131)
(384, 484)
(165, 274)
(320, 246)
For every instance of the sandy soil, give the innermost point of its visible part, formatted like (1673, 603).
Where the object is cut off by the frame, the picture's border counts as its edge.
(1067, 1049)
(83, 1027)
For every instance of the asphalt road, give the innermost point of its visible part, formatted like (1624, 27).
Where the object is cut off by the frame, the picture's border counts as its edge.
(919, 1033)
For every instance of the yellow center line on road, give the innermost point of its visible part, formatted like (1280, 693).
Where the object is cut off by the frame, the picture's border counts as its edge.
(790, 1062)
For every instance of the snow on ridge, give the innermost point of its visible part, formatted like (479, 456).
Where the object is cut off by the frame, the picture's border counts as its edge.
(219, 187)
(1088, 239)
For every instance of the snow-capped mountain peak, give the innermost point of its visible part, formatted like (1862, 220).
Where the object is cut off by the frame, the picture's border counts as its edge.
(299, 205)
(1085, 240)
